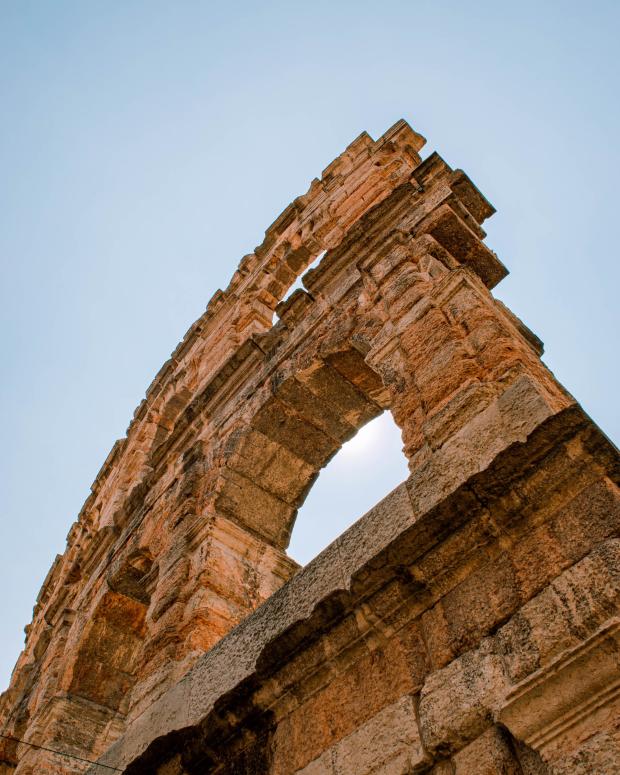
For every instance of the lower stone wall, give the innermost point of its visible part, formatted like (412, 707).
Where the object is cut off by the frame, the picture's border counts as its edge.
(483, 637)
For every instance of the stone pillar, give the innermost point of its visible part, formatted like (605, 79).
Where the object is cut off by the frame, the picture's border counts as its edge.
(464, 374)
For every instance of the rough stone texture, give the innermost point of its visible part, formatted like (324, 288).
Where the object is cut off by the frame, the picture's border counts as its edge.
(468, 624)
(389, 742)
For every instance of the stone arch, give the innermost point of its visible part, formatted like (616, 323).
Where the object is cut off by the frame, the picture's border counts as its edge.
(109, 648)
(104, 667)
(271, 463)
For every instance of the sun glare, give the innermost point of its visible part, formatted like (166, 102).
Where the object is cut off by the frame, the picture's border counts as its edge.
(365, 470)
(371, 436)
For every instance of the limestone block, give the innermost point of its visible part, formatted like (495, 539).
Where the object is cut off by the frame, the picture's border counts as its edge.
(387, 744)
(568, 611)
(564, 703)
(488, 754)
(458, 702)
(599, 754)
(323, 765)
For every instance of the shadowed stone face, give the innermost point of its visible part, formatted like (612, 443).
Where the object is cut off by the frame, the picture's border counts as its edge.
(467, 624)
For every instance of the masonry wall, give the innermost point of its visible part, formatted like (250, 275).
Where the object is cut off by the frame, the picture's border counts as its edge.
(427, 635)
(483, 639)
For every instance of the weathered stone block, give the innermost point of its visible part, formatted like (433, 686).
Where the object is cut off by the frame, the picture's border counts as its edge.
(489, 754)
(458, 702)
(388, 744)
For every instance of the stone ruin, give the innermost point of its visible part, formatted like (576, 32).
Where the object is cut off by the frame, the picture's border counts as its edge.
(468, 624)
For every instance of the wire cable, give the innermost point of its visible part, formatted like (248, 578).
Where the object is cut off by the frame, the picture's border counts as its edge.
(60, 753)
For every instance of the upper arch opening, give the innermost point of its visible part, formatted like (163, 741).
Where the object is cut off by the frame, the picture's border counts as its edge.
(298, 285)
(362, 472)
(276, 458)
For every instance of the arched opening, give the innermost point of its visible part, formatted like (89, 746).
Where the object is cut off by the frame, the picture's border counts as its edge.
(298, 285)
(365, 469)
(104, 668)
(323, 411)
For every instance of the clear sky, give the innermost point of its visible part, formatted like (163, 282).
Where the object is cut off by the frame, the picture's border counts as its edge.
(145, 146)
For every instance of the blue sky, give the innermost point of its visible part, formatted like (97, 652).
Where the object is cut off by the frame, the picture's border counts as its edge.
(145, 146)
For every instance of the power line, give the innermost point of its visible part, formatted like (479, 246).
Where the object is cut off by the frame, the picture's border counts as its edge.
(60, 753)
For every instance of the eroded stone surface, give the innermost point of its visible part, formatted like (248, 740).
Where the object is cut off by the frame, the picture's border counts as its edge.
(466, 624)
